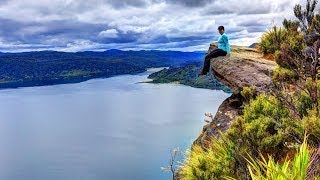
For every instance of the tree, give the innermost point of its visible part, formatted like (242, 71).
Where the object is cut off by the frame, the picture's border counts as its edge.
(303, 62)
(306, 16)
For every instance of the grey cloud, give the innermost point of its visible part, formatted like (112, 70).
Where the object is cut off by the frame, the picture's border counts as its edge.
(143, 3)
(2, 2)
(158, 24)
(191, 3)
(15, 31)
(238, 8)
(252, 25)
(255, 10)
(124, 3)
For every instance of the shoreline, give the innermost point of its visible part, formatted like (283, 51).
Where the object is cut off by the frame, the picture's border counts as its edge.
(75, 80)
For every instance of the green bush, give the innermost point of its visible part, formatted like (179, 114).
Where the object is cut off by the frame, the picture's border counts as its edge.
(311, 124)
(213, 162)
(249, 93)
(281, 74)
(261, 127)
(303, 102)
(271, 41)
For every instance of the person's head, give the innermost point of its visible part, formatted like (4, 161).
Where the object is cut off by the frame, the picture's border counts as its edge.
(221, 29)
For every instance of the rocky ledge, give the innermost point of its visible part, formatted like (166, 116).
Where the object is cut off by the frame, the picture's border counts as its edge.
(246, 67)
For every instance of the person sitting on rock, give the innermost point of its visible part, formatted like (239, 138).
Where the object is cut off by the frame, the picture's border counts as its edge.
(223, 50)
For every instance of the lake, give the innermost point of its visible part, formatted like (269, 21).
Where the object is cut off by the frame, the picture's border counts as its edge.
(113, 128)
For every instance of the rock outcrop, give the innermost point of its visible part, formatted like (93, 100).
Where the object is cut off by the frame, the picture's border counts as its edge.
(246, 67)
(228, 111)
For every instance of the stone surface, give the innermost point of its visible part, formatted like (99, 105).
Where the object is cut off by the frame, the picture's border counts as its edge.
(227, 111)
(245, 67)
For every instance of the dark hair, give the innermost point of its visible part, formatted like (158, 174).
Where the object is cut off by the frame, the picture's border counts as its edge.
(220, 28)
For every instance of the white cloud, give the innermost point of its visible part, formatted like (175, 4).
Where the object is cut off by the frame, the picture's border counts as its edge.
(110, 33)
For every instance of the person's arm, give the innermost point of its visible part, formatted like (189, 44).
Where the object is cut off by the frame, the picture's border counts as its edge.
(226, 40)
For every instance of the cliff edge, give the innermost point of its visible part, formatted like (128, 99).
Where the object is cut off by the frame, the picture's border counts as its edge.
(245, 68)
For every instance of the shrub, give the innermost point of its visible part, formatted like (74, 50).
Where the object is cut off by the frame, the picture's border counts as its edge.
(212, 162)
(281, 74)
(311, 124)
(261, 127)
(249, 93)
(288, 170)
(272, 40)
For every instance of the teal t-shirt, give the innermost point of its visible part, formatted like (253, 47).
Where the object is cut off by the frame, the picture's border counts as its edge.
(223, 43)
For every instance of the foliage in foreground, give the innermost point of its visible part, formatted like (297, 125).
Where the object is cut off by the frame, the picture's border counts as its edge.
(301, 167)
(269, 169)
(211, 162)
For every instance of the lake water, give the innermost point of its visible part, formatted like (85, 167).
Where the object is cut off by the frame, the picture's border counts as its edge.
(113, 128)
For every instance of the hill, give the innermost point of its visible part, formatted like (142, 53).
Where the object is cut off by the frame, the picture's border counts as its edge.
(52, 67)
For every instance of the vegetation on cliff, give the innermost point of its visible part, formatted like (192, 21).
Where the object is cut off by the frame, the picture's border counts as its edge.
(268, 141)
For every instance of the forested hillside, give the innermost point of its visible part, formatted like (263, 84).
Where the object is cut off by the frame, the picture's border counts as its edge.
(51, 67)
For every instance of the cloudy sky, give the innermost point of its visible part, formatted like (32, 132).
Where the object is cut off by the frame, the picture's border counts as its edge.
(186, 25)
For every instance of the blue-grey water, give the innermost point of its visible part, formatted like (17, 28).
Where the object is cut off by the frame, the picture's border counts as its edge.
(101, 129)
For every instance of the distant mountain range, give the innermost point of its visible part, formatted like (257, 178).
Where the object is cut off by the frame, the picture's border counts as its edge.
(52, 67)
(254, 45)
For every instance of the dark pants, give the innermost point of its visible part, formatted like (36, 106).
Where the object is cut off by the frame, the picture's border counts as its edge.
(215, 53)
